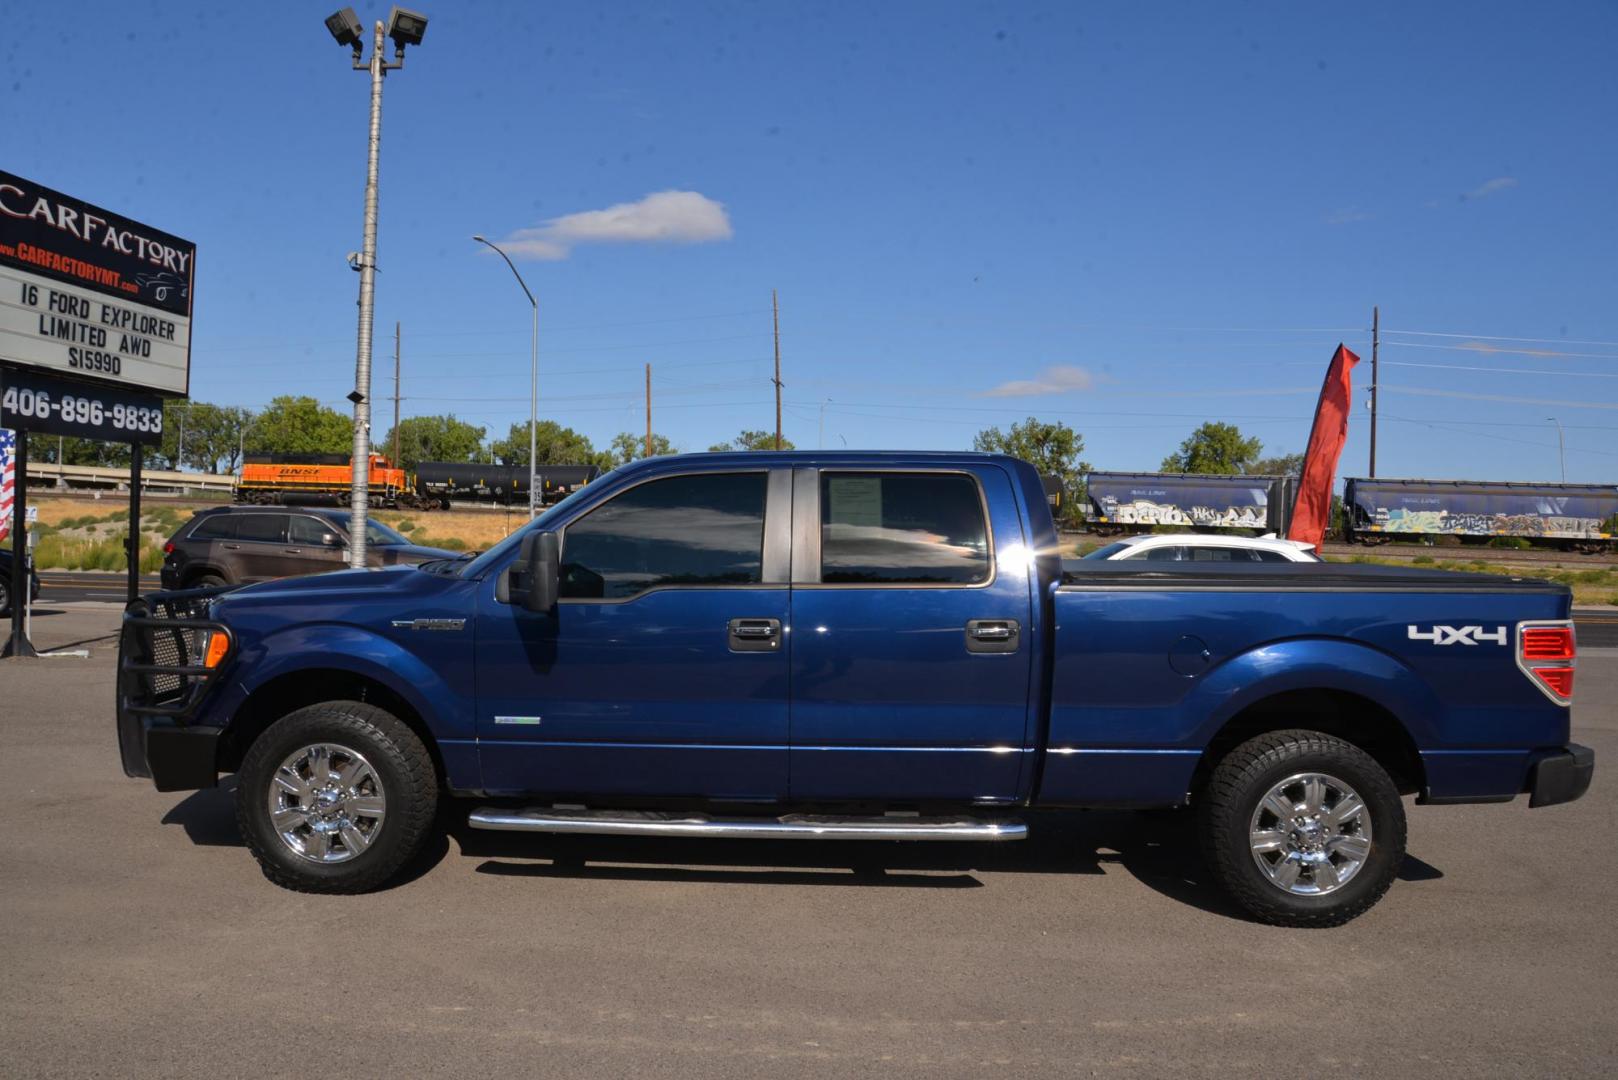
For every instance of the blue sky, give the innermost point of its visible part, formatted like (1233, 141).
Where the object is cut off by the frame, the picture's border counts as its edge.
(1131, 218)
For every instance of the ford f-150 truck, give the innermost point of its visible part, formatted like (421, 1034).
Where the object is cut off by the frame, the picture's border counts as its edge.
(851, 646)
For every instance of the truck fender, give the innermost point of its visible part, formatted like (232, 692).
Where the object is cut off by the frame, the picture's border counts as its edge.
(344, 647)
(1314, 664)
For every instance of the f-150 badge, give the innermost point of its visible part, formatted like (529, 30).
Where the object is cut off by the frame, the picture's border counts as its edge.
(429, 624)
(1459, 635)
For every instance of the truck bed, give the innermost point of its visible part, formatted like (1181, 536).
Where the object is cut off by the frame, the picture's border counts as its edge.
(1149, 664)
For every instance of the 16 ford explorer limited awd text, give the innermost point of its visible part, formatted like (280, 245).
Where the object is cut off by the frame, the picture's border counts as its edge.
(852, 645)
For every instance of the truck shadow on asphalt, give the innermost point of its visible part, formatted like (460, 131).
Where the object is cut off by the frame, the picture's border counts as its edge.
(1158, 849)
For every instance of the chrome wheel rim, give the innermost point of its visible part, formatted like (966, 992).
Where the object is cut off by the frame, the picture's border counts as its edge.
(1310, 834)
(326, 803)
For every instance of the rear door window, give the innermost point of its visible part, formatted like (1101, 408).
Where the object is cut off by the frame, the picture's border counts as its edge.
(262, 528)
(215, 527)
(902, 529)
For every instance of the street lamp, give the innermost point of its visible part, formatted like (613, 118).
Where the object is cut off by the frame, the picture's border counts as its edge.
(533, 387)
(1561, 446)
(406, 28)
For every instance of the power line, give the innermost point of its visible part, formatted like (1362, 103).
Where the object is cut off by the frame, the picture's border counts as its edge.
(493, 333)
(1507, 371)
(1489, 349)
(1495, 337)
(1508, 398)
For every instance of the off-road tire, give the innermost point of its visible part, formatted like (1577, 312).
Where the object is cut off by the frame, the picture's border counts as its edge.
(400, 760)
(5, 598)
(1243, 777)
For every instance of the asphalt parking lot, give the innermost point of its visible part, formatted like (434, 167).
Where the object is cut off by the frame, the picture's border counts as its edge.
(139, 939)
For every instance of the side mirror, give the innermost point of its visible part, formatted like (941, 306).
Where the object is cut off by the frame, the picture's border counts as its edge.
(534, 575)
(331, 540)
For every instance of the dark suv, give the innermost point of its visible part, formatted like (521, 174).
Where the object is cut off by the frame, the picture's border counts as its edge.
(5, 583)
(237, 545)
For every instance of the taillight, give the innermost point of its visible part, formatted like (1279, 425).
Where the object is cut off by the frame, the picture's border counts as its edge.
(1547, 653)
(1547, 643)
(168, 547)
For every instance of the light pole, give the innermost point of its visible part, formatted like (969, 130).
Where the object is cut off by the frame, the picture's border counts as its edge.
(405, 28)
(533, 385)
(1561, 446)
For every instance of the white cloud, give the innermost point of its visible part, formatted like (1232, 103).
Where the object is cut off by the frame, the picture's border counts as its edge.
(1057, 379)
(1347, 216)
(664, 217)
(1490, 187)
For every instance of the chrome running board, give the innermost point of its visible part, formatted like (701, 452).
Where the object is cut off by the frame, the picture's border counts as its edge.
(787, 827)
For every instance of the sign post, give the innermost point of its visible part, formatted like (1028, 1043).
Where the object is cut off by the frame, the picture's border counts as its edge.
(95, 330)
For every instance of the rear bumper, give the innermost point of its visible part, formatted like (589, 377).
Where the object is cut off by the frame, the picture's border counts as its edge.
(1560, 776)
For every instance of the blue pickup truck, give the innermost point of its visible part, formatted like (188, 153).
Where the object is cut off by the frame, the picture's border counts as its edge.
(868, 646)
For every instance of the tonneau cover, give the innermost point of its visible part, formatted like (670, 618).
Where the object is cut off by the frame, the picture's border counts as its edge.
(1290, 577)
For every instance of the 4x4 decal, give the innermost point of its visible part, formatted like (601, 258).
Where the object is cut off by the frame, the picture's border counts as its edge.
(1458, 635)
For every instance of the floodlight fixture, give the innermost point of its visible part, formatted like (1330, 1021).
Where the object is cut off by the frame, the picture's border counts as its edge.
(406, 27)
(346, 28)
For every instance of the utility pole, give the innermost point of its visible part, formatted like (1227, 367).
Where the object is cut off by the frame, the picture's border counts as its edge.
(648, 410)
(395, 395)
(1376, 327)
(775, 315)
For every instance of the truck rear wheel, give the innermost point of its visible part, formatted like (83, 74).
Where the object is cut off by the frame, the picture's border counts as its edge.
(335, 798)
(1302, 829)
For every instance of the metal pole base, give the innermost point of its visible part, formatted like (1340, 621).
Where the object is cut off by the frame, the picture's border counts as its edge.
(17, 647)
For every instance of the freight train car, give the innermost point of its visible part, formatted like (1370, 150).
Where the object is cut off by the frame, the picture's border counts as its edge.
(1578, 517)
(1135, 502)
(440, 482)
(320, 480)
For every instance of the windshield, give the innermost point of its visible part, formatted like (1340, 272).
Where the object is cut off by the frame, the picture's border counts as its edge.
(379, 535)
(477, 566)
(1107, 551)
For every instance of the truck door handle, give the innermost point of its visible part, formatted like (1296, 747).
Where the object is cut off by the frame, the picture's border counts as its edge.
(292, 551)
(755, 635)
(232, 547)
(991, 635)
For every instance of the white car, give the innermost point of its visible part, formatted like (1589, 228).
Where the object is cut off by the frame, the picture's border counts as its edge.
(1196, 547)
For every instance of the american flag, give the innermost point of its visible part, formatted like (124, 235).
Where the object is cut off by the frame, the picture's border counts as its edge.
(8, 479)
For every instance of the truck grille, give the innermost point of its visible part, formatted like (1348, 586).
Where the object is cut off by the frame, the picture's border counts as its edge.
(160, 668)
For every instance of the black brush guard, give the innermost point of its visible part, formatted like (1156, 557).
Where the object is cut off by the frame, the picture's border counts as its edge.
(161, 681)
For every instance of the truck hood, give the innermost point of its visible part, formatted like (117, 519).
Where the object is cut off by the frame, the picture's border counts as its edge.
(349, 590)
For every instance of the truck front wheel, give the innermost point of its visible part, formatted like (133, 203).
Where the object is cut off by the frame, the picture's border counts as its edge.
(335, 798)
(1302, 829)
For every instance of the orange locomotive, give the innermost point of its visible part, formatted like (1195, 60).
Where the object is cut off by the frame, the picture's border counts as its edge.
(317, 479)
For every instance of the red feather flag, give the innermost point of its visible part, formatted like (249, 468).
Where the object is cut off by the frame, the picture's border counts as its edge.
(1311, 512)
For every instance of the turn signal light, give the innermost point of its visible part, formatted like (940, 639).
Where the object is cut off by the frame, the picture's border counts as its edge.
(214, 654)
(1546, 653)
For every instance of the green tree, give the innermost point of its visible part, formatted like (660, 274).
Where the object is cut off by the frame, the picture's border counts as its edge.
(1279, 465)
(1053, 448)
(93, 452)
(627, 447)
(1214, 447)
(752, 440)
(434, 438)
(213, 436)
(557, 445)
(299, 425)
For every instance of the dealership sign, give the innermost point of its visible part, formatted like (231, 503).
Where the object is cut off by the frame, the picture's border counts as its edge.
(90, 294)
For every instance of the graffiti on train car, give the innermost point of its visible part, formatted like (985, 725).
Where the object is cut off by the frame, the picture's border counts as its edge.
(1399, 519)
(1146, 512)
